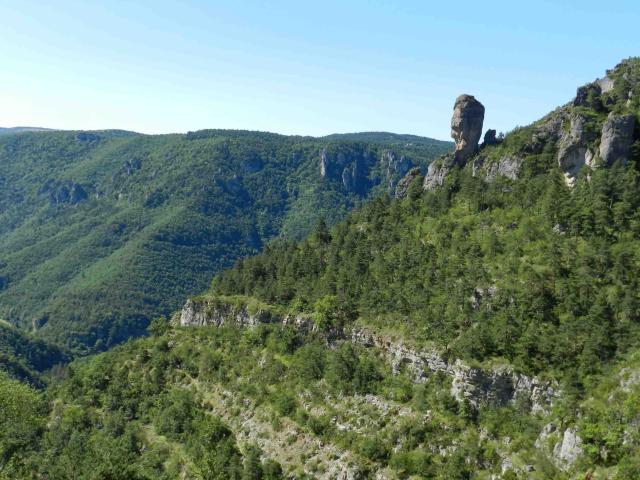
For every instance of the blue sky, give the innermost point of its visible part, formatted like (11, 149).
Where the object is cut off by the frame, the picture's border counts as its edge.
(300, 67)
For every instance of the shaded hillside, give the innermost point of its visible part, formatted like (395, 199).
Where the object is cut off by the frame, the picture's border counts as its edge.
(99, 231)
(27, 358)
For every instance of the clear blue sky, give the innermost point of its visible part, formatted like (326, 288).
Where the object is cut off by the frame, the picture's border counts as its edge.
(300, 67)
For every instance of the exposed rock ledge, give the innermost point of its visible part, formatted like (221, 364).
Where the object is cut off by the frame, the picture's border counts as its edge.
(498, 385)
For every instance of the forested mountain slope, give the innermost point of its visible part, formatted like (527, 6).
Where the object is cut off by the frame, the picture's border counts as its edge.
(99, 231)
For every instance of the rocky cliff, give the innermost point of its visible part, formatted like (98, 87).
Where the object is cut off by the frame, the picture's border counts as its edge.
(359, 169)
(475, 386)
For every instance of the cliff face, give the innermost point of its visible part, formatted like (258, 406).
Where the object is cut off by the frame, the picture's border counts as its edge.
(475, 386)
(359, 169)
(496, 386)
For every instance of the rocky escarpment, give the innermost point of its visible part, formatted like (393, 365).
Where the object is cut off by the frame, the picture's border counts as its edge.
(507, 166)
(351, 167)
(563, 447)
(359, 169)
(573, 151)
(200, 313)
(475, 386)
(498, 386)
(396, 167)
(437, 172)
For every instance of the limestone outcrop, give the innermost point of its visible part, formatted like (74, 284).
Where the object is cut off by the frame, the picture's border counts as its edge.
(202, 313)
(396, 167)
(589, 96)
(466, 126)
(617, 137)
(573, 150)
(350, 167)
(205, 312)
(498, 385)
(466, 129)
(63, 192)
(508, 166)
(567, 451)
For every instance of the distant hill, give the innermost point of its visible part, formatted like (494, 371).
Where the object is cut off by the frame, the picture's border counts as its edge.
(101, 230)
(7, 131)
(380, 137)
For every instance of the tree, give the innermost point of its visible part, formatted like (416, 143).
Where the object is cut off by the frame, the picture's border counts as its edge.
(252, 469)
(321, 232)
(21, 422)
(158, 326)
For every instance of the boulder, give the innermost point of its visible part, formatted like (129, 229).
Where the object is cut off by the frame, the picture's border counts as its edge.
(617, 137)
(490, 138)
(466, 126)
